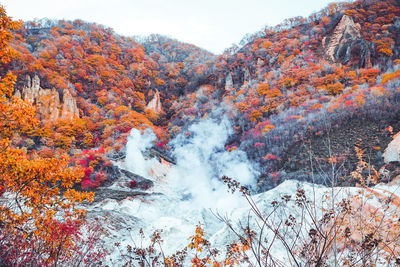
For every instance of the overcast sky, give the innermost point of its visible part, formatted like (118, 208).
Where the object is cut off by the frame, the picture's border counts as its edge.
(210, 24)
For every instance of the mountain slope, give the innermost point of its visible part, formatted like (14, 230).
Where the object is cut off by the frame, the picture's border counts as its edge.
(303, 79)
(285, 87)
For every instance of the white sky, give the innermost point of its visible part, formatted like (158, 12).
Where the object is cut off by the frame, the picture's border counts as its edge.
(210, 24)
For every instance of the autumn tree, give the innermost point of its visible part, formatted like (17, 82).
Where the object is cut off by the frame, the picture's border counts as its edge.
(39, 219)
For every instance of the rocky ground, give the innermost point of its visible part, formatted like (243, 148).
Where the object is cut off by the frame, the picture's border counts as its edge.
(372, 137)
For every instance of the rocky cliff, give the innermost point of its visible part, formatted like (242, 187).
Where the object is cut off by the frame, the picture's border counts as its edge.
(345, 44)
(49, 103)
(392, 152)
(155, 104)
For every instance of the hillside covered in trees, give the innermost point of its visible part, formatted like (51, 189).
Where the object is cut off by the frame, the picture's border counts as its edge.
(284, 85)
(300, 96)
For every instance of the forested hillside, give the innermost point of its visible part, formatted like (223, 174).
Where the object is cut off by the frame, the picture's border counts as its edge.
(287, 84)
(302, 97)
(111, 80)
(304, 78)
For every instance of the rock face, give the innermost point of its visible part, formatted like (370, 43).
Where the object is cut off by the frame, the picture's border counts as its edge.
(69, 108)
(228, 82)
(155, 104)
(345, 44)
(116, 188)
(247, 76)
(392, 152)
(50, 106)
(259, 68)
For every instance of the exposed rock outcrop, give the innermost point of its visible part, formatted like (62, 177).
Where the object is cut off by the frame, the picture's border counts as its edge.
(228, 82)
(155, 104)
(110, 193)
(141, 181)
(392, 152)
(159, 156)
(345, 44)
(69, 108)
(246, 75)
(118, 185)
(121, 176)
(48, 102)
(259, 68)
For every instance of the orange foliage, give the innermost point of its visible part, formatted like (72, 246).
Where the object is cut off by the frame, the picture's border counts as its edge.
(390, 76)
(255, 116)
(335, 89)
(39, 203)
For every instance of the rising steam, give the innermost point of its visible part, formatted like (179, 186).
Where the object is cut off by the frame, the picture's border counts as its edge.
(201, 160)
(137, 144)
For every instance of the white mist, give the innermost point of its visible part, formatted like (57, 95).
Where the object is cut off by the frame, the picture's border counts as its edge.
(136, 146)
(191, 189)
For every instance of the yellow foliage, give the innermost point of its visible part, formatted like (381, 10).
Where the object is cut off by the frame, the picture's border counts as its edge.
(121, 110)
(41, 193)
(359, 100)
(317, 106)
(268, 128)
(266, 44)
(242, 106)
(390, 76)
(274, 92)
(287, 82)
(16, 115)
(335, 89)
(263, 88)
(38, 190)
(88, 139)
(240, 92)
(255, 115)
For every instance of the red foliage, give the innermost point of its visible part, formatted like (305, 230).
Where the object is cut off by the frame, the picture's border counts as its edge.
(270, 157)
(161, 146)
(256, 145)
(132, 184)
(349, 103)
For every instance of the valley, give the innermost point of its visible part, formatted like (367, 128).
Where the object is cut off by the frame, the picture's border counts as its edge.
(125, 151)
